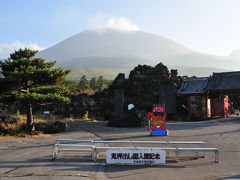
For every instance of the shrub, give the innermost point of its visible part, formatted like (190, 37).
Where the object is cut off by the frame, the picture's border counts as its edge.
(85, 116)
(11, 129)
(18, 115)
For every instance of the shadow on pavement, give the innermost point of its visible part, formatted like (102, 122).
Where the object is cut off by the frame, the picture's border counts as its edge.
(31, 147)
(100, 127)
(237, 177)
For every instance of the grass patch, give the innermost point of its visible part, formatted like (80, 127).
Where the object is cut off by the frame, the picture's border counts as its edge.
(80, 120)
(18, 130)
(12, 125)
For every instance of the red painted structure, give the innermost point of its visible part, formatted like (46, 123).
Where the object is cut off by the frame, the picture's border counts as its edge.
(156, 120)
(219, 107)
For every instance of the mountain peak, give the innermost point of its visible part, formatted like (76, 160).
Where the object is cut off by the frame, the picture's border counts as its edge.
(110, 30)
(108, 42)
(116, 49)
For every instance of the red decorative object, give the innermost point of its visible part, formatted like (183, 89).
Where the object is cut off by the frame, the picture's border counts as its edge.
(156, 120)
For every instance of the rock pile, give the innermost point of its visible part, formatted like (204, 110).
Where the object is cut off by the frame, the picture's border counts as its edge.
(142, 89)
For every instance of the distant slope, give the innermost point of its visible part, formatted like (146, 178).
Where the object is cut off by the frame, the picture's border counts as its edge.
(235, 55)
(110, 74)
(113, 43)
(102, 62)
(204, 60)
(196, 71)
(111, 51)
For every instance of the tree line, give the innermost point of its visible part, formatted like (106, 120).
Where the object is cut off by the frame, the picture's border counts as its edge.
(85, 84)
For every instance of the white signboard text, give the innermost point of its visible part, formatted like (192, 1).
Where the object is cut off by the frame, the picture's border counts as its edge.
(136, 157)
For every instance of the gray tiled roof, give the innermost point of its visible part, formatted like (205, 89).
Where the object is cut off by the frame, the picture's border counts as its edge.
(225, 81)
(195, 86)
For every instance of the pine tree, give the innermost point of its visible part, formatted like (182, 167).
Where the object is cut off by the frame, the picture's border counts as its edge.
(84, 83)
(31, 81)
(100, 83)
(93, 83)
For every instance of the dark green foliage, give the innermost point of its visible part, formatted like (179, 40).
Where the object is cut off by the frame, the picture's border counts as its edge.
(26, 53)
(93, 83)
(57, 89)
(28, 80)
(234, 102)
(71, 84)
(29, 72)
(41, 99)
(100, 83)
(84, 83)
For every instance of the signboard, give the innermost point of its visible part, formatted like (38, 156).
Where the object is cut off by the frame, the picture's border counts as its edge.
(136, 157)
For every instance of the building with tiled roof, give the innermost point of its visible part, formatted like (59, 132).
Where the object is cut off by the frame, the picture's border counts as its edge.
(208, 96)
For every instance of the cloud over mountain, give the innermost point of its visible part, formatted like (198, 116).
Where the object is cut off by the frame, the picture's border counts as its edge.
(101, 20)
(114, 49)
(122, 23)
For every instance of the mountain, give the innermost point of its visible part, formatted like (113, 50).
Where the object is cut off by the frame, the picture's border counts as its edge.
(110, 50)
(235, 55)
(196, 71)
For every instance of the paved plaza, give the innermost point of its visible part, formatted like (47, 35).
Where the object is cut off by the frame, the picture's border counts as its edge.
(30, 158)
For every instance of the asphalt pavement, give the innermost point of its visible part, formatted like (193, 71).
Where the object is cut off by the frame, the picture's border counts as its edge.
(30, 158)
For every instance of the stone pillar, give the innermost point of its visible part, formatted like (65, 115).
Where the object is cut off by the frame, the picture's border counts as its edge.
(119, 101)
(167, 96)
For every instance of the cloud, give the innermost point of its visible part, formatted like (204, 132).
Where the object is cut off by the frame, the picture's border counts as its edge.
(72, 19)
(6, 49)
(122, 23)
(101, 21)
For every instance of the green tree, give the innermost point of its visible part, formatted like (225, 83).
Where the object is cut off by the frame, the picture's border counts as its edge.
(84, 83)
(31, 81)
(71, 84)
(93, 83)
(100, 83)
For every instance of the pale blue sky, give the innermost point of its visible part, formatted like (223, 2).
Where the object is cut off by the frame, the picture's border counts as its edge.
(210, 26)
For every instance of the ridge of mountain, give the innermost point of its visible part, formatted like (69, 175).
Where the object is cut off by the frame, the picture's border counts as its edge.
(111, 49)
(113, 43)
